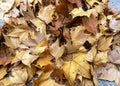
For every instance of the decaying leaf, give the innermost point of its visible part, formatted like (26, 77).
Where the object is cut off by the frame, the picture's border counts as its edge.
(3, 72)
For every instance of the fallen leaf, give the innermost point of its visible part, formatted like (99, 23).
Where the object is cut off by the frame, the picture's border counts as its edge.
(86, 82)
(4, 57)
(78, 36)
(101, 58)
(25, 57)
(77, 2)
(12, 42)
(3, 72)
(46, 13)
(104, 43)
(114, 25)
(80, 12)
(77, 65)
(44, 59)
(90, 24)
(19, 76)
(105, 73)
(114, 54)
(56, 50)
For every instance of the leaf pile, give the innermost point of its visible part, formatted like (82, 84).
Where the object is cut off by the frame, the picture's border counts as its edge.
(58, 43)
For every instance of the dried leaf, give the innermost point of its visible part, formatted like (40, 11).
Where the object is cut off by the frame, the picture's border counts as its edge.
(44, 59)
(46, 13)
(77, 2)
(109, 70)
(3, 72)
(25, 57)
(77, 65)
(104, 43)
(56, 50)
(90, 24)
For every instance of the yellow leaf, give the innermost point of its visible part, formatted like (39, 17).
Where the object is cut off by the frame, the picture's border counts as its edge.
(49, 82)
(56, 50)
(86, 82)
(77, 65)
(80, 12)
(25, 57)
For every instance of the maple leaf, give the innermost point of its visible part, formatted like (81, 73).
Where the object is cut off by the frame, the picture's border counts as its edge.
(25, 57)
(77, 65)
(90, 24)
(56, 50)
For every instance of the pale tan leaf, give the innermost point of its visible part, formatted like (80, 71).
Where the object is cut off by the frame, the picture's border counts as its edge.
(46, 13)
(56, 50)
(25, 57)
(3, 72)
(104, 43)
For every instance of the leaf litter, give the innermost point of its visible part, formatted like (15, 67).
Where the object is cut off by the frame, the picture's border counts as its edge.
(58, 43)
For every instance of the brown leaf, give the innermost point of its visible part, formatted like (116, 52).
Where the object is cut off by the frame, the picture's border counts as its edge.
(59, 8)
(4, 58)
(77, 2)
(90, 24)
(57, 75)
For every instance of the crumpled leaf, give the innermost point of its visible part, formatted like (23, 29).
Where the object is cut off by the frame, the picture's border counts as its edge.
(56, 50)
(90, 24)
(107, 71)
(77, 65)
(46, 13)
(104, 43)
(25, 57)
